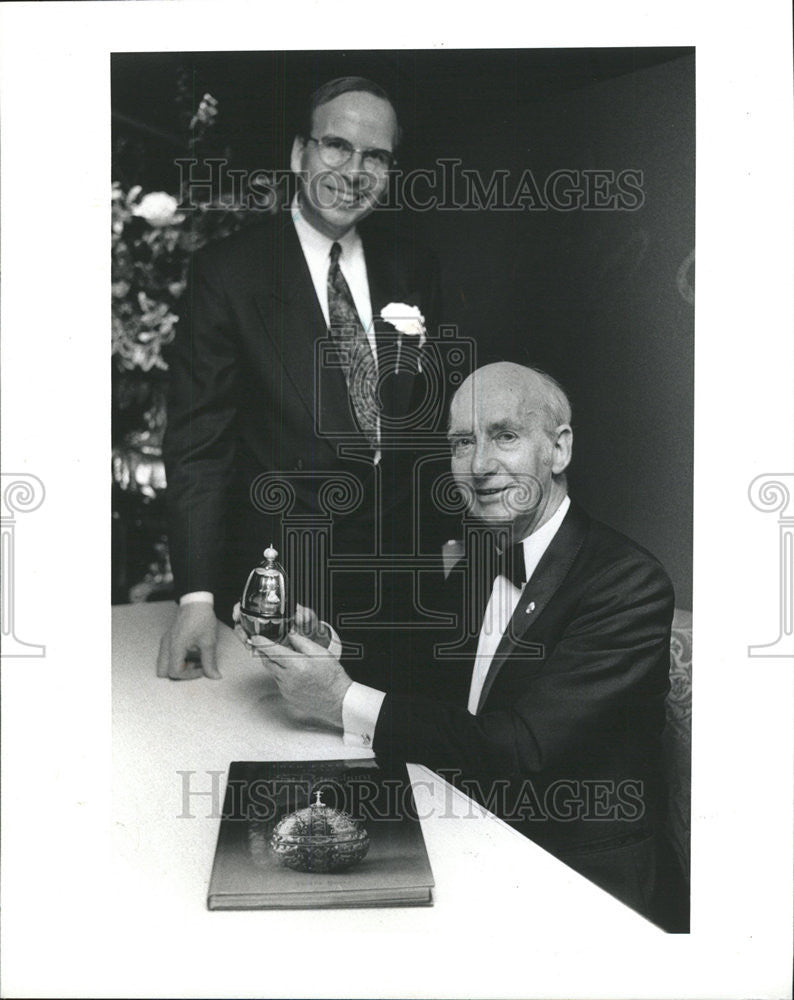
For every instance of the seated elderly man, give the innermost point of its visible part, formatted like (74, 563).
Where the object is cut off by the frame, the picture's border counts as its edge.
(551, 713)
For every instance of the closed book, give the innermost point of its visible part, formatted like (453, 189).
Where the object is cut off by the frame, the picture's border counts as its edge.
(311, 834)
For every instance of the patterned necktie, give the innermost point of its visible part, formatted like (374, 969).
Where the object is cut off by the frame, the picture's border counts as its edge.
(361, 372)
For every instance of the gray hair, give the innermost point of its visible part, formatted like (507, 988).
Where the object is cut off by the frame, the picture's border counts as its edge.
(556, 405)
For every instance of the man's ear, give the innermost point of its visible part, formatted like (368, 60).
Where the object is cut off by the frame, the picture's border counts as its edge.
(562, 449)
(296, 157)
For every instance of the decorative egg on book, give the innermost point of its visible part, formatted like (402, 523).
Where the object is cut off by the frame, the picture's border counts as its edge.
(264, 606)
(319, 839)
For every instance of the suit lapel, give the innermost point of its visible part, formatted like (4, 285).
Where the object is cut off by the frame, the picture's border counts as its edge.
(387, 284)
(294, 322)
(551, 571)
(377, 273)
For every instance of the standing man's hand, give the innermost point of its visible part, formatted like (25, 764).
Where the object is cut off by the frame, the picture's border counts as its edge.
(187, 650)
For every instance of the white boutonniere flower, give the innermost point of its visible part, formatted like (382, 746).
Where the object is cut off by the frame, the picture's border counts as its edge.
(407, 321)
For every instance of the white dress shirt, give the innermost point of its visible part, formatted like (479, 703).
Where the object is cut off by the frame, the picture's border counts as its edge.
(317, 251)
(362, 704)
(504, 600)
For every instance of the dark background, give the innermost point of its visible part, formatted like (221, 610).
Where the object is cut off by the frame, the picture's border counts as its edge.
(590, 296)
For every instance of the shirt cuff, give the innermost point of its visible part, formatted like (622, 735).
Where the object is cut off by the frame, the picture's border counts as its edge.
(197, 597)
(360, 710)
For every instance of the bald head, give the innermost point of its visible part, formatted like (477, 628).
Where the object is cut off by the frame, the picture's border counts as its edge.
(511, 441)
(533, 391)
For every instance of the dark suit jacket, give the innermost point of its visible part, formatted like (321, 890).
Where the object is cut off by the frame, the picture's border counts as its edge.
(248, 396)
(565, 743)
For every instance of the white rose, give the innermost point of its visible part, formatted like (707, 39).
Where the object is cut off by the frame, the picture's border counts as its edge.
(159, 209)
(405, 319)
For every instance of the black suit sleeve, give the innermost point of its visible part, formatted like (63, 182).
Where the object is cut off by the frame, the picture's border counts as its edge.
(199, 445)
(613, 655)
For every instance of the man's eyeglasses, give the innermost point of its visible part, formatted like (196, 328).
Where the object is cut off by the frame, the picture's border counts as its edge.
(336, 152)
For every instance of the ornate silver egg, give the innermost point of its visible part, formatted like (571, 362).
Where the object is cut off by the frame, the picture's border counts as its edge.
(264, 604)
(319, 839)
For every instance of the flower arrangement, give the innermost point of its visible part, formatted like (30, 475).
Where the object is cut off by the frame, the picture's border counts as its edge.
(152, 242)
(153, 236)
(148, 275)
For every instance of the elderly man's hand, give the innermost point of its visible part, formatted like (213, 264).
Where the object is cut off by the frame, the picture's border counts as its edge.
(187, 650)
(305, 622)
(310, 679)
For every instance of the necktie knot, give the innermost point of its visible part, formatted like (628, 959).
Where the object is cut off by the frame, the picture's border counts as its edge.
(336, 253)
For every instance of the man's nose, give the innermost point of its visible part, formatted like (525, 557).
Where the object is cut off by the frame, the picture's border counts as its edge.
(354, 171)
(483, 460)
(353, 166)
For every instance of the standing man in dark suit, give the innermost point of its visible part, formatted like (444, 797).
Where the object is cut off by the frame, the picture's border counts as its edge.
(251, 393)
(551, 713)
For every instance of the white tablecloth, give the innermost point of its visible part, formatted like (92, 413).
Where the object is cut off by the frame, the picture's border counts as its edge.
(173, 742)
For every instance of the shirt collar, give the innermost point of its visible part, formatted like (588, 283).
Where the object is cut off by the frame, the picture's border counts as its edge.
(316, 243)
(537, 543)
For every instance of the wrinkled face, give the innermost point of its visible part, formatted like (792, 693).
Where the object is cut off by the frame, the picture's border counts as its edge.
(502, 457)
(335, 199)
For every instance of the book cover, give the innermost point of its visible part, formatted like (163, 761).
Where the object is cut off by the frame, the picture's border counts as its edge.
(376, 844)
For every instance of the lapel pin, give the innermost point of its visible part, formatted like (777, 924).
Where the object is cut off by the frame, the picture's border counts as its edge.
(530, 608)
